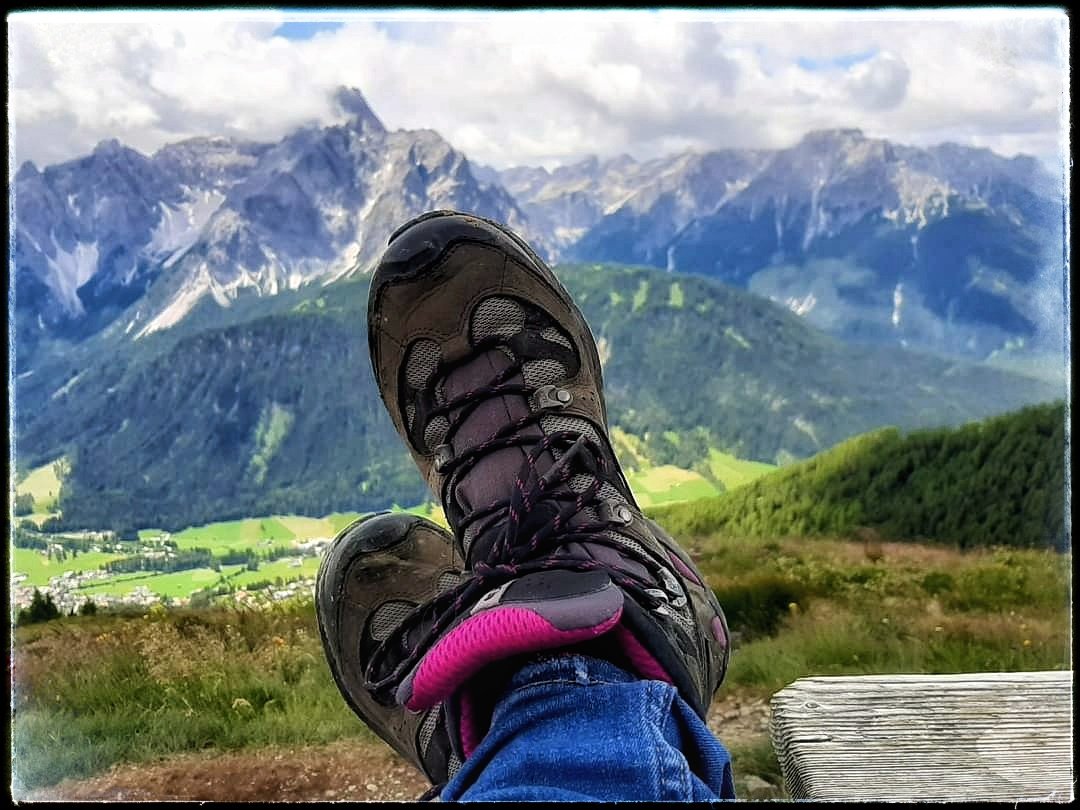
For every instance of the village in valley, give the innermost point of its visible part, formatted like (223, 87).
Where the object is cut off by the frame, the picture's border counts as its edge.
(73, 569)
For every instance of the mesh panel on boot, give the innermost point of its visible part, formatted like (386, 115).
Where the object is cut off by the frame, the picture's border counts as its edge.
(626, 541)
(555, 336)
(424, 356)
(497, 316)
(470, 535)
(388, 616)
(447, 580)
(435, 431)
(427, 729)
(542, 372)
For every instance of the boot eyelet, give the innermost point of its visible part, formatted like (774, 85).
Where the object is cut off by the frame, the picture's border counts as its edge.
(670, 582)
(551, 398)
(613, 511)
(444, 454)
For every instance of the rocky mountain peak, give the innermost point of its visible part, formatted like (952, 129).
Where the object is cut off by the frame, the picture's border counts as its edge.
(26, 171)
(351, 101)
(111, 147)
(833, 137)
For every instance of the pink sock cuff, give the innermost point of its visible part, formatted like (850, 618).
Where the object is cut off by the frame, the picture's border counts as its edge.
(483, 639)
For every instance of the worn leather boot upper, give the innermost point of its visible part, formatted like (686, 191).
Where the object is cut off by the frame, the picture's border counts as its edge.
(492, 378)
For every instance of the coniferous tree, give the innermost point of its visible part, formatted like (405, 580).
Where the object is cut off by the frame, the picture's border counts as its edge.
(42, 609)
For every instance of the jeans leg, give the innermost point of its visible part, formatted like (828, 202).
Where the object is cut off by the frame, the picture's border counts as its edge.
(575, 728)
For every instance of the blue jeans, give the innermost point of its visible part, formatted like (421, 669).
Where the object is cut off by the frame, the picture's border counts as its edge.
(575, 728)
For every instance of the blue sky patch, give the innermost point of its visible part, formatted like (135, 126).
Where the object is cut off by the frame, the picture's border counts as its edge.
(843, 61)
(304, 30)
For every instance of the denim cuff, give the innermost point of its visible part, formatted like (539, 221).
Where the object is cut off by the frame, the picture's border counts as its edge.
(571, 667)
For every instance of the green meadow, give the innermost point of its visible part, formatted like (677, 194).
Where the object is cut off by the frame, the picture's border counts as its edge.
(43, 484)
(668, 484)
(734, 472)
(39, 568)
(175, 585)
(285, 569)
(220, 538)
(234, 535)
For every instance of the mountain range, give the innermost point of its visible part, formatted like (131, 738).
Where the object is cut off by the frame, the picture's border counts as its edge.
(949, 249)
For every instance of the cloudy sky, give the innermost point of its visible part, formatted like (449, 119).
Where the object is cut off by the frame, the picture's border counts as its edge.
(543, 87)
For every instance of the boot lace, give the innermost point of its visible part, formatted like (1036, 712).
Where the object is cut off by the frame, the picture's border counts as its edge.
(533, 526)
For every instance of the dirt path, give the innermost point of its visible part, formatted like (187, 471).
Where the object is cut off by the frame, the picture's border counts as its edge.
(347, 770)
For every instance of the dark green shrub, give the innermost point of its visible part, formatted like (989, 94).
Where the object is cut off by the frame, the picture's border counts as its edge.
(756, 606)
(42, 609)
(937, 582)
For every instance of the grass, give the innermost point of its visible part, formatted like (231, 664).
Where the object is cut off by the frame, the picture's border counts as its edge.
(234, 534)
(339, 520)
(667, 484)
(917, 609)
(629, 449)
(175, 585)
(219, 538)
(43, 484)
(733, 472)
(278, 568)
(181, 584)
(756, 759)
(273, 426)
(133, 689)
(40, 568)
(93, 691)
(306, 528)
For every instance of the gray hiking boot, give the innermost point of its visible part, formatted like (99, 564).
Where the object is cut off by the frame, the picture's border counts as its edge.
(491, 376)
(376, 571)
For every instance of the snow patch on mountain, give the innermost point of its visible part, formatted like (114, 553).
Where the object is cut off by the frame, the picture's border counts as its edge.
(63, 389)
(181, 226)
(347, 262)
(181, 304)
(801, 306)
(70, 270)
(921, 198)
(898, 303)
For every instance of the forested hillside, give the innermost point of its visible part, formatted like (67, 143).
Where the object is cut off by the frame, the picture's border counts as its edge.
(1000, 482)
(270, 406)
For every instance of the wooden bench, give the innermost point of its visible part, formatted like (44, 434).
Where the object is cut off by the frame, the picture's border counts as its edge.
(1002, 736)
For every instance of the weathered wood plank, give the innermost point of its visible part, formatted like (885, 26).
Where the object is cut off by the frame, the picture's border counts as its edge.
(1001, 736)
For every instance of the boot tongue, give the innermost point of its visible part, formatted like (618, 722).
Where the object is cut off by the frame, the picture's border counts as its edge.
(492, 478)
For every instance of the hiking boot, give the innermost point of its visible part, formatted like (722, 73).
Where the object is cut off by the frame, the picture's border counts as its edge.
(376, 571)
(492, 377)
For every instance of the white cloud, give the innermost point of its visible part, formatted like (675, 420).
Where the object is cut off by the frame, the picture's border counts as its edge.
(880, 83)
(547, 87)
